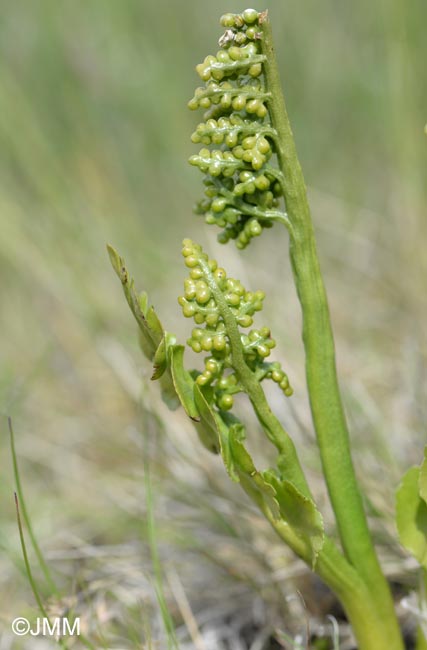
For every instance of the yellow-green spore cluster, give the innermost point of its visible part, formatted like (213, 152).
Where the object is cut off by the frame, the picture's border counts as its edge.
(209, 296)
(242, 188)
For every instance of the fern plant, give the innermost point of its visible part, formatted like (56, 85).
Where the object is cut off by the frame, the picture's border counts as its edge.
(253, 180)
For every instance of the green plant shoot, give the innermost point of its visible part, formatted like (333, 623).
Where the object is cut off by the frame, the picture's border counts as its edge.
(252, 181)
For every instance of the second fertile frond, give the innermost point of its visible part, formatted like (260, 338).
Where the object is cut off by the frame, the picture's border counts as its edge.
(224, 306)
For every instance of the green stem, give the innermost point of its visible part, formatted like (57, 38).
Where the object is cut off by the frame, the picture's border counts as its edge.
(274, 430)
(325, 400)
(371, 631)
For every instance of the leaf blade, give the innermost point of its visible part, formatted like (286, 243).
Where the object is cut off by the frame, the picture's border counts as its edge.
(411, 516)
(183, 382)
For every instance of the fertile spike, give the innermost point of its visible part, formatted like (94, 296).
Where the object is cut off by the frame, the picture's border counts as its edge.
(243, 189)
(198, 302)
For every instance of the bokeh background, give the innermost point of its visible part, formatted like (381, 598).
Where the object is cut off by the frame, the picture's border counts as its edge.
(94, 139)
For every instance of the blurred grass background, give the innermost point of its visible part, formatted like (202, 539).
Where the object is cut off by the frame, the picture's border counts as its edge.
(94, 138)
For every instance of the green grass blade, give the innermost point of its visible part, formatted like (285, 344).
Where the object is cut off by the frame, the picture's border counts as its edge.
(21, 507)
(43, 565)
(155, 559)
(28, 569)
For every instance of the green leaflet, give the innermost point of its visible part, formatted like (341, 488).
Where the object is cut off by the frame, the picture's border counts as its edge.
(160, 361)
(214, 429)
(411, 514)
(282, 498)
(299, 512)
(150, 328)
(252, 480)
(154, 325)
(212, 434)
(145, 344)
(183, 382)
(207, 428)
(229, 426)
(414, 536)
(423, 477)
(151, 332)
(161, 356)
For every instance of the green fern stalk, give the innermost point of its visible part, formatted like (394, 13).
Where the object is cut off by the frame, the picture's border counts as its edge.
(325, 400)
